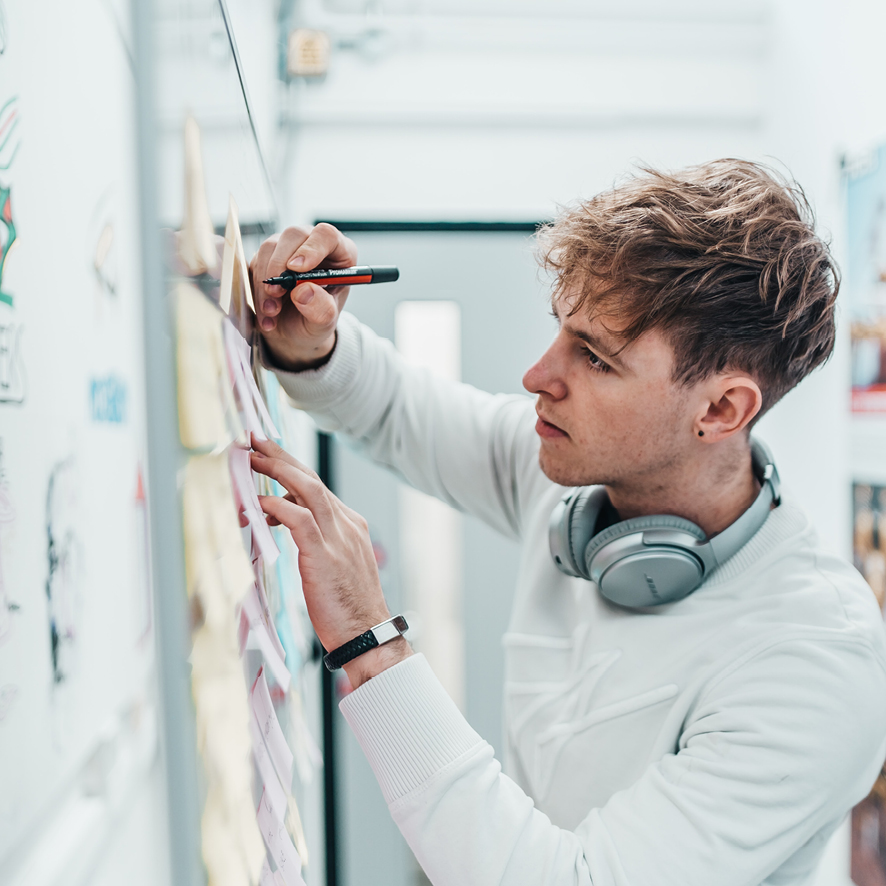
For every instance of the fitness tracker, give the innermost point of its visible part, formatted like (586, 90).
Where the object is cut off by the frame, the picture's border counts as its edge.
(381, 633)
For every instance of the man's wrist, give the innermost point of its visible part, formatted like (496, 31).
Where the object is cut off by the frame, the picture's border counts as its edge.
(301, 362)
(373, 662)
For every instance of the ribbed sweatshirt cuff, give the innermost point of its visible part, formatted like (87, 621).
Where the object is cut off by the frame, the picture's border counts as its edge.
(316, 389)
(407, 725)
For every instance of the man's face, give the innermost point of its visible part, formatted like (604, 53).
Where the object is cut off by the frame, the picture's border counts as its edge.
(609, 417)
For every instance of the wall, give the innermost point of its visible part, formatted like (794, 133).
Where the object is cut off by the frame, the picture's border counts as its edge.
(480, 117)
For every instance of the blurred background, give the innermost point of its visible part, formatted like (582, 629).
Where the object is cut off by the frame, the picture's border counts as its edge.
(438, 134)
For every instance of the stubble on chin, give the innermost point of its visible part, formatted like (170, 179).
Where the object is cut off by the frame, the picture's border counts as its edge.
(564, 474)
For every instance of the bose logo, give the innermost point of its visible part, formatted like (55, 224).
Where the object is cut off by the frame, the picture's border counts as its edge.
(652, 588)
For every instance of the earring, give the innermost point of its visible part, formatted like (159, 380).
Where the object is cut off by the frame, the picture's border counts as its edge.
(701, 433)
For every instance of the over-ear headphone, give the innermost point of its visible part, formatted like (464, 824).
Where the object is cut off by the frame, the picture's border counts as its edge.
(648, 561)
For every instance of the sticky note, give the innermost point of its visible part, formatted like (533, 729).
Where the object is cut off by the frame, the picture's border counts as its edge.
(241, 475)
(197, 242)
(269, 726)
(201, 365)
(270, 783)
(279, 843)
(235, 272)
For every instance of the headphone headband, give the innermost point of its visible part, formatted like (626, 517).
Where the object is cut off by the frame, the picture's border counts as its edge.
(655, 559)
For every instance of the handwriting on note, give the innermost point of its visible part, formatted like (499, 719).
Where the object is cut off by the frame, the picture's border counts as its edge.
(269, 726)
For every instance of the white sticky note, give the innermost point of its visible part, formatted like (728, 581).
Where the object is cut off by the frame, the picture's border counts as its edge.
(269, 726)
(266, 877)
(259, 635)
(266, 608)
(279, 844)
(271, 784)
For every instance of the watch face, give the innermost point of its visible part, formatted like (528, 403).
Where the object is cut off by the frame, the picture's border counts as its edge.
(400, 624)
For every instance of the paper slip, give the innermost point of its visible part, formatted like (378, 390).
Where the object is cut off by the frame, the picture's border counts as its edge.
(197, 241)
(279, 844)
(200, 361)
(272, 879)
(265, 607)
(243, 382)
(259, 639)
(235, 273)
(237, 350)
(241, 476)
(274, 791)
(269, 726)
(218, 569)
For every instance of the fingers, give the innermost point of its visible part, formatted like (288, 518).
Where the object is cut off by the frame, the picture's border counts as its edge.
(317, 306)
(324, 245)
(288, 242)
(272, 450)
(267, 298)
(305, 487)
(298, 520)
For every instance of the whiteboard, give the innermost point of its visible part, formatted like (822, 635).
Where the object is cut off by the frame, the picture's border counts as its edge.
(76, 645)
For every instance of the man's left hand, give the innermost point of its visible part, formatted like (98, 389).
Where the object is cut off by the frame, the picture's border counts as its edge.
(335, 558)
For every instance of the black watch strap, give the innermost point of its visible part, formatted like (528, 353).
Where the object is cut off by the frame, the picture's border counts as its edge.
(376, 636)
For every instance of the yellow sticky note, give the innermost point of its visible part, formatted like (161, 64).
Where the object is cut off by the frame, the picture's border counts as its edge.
(202, 371)
(235, 271)
(217, 565)
(197, 241)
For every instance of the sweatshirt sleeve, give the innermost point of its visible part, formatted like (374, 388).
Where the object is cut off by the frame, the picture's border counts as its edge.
(476, 451)
(775, 753)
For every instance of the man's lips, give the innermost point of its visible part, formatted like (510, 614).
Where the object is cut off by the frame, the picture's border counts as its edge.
(546, 429)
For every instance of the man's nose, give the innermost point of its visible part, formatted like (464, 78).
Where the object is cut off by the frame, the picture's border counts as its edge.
(544, 376)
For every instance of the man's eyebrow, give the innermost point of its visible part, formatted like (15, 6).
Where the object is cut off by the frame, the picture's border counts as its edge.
(590, 339)
(598, 345)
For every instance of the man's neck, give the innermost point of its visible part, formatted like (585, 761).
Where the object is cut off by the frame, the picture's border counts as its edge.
(712, 489)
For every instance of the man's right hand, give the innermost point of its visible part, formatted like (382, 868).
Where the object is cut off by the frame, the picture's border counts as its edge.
(299, 326)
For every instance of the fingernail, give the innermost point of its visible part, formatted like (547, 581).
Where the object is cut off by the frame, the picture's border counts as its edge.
(268, 306)
(304, 295)
(267, 323)
(296, 262)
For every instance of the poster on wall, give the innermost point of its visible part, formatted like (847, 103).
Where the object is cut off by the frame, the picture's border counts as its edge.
(869, 551)
(866, 280)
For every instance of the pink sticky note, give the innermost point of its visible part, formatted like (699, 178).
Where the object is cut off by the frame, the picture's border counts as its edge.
(269, 726)
(270, 783)
(256, 394)
(242, 381)
(279, 844)
(241, 477)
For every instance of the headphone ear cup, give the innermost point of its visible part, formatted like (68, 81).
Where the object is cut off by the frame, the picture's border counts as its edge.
(634, 574)
(581, 518)
(637, 524)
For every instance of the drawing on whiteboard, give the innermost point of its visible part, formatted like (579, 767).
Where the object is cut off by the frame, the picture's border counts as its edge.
(143, 565)
(12, 373)
(2, 29)
(107, 399)
(7, 238)
(9, 143)
(7, 515)
(63, 577)
(102, 247)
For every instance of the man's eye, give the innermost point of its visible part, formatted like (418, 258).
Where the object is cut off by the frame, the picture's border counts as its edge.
(594, 361)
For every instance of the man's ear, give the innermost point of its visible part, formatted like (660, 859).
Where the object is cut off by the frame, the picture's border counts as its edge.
(732, 402)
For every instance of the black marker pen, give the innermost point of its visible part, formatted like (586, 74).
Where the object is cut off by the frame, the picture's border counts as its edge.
(337, 276)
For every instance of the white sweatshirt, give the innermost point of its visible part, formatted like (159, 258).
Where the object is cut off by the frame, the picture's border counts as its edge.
(716, 741)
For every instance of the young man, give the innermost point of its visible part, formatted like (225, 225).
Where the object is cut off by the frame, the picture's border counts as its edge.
(718, 738)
